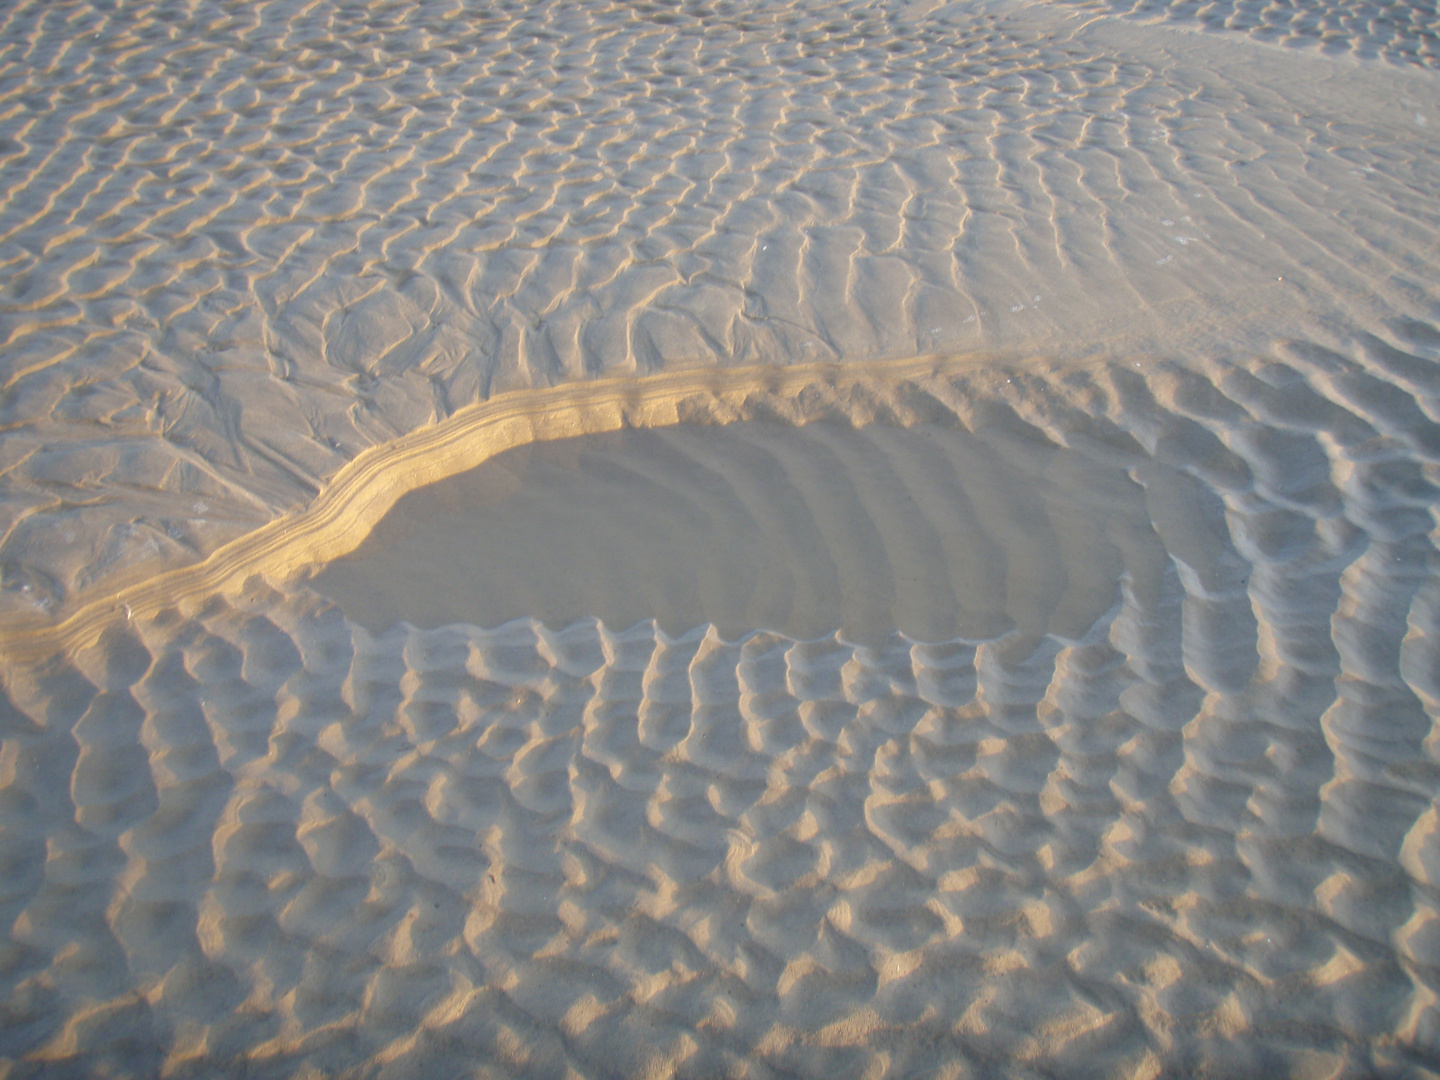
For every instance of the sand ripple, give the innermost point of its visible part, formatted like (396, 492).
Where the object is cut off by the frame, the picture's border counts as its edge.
(1197, 833)
(241, 244)
(1399, 33)
(1123, 339)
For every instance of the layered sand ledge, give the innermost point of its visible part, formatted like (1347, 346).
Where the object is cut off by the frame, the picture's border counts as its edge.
(1185, 824)
(363, 491)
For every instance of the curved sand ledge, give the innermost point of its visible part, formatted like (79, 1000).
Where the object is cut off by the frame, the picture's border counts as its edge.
(365, 490)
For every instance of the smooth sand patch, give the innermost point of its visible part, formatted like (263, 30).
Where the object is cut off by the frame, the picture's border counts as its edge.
(935, 531)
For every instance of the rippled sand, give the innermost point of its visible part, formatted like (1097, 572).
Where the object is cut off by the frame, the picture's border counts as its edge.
(243, 243)
(770, 539)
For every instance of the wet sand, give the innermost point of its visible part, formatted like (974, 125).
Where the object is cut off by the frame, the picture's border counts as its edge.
(927, 530)
(783, 539)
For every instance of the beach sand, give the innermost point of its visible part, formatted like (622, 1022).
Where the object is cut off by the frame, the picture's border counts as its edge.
(810, 539)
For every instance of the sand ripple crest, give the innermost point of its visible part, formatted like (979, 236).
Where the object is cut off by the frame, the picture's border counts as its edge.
(267, 267)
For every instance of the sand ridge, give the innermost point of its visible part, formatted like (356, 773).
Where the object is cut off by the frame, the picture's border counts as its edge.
(1407, 33)
(590, 850)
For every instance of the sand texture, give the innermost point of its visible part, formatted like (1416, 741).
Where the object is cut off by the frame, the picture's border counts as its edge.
(846, 538)
(1398, 33)
(243, 243)
(526, 852)
(1159, 799)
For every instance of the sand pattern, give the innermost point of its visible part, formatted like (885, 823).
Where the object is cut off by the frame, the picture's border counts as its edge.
(1102, 353)
(241, 245)
(1396, 31)
(1199, 835)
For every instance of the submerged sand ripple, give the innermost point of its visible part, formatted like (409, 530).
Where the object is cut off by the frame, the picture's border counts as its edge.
(241, 244)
